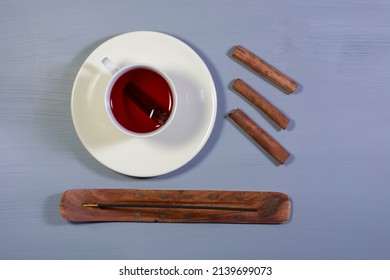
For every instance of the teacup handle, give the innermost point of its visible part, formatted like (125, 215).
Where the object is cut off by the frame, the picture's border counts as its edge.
(109, 65)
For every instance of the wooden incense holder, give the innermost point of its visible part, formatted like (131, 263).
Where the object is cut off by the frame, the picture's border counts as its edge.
(264, 69)
(260, 102)
(260, 136)
(177, 206)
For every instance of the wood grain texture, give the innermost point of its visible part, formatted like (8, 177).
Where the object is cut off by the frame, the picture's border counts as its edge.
(260, 102)
(264, 69)
(272, 207)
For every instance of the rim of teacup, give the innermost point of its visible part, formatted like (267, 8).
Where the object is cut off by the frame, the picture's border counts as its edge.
(111, 116)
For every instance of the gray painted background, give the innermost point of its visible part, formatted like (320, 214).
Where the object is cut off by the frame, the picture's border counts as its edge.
(338, 179)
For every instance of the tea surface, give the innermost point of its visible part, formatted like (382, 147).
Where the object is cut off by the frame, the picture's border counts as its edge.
(130, 114)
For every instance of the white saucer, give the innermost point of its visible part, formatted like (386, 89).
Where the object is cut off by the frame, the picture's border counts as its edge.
(178, 143)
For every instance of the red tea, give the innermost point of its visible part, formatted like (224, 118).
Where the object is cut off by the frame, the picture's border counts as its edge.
(136, 98)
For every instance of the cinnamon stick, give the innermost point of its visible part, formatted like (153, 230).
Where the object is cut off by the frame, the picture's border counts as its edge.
(270, 145)
(260, 102)
(264, 69)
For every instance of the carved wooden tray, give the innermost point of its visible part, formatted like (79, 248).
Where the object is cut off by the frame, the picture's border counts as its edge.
(177, 206)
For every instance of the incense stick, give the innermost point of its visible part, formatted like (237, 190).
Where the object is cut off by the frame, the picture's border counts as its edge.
(175, 206)
(166, 206)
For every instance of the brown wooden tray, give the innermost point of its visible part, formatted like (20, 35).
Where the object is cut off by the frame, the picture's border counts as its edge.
(178, 206)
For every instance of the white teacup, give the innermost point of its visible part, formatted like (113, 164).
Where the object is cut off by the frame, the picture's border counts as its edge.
(140, 100)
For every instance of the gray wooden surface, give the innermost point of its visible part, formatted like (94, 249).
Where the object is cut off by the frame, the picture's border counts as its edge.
(338, 179)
